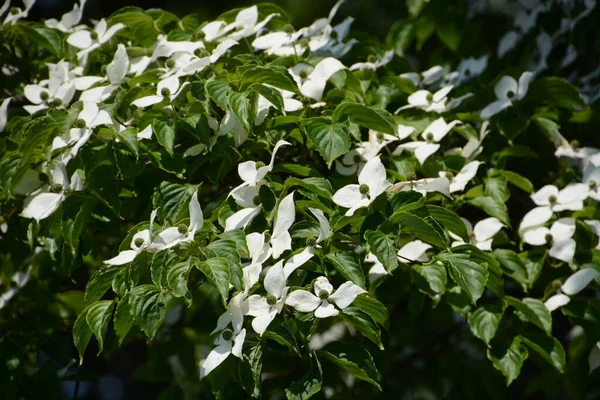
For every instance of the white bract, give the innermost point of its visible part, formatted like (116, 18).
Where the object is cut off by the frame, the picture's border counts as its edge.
(167, 89)
(183, 233)
(573, 285)
(570, 198)
(560, 236)
(139, 242)
(15, 13)
(507, 91)
(4, 113)
(18, 280)
(415, 250)
(374, 64)
(116, 71)
(426, 101)
(354, 160)
(69, 20)
(433, 134)
(312, 84)
(89, 41)
(481, 235)
(44, 201)
(424, 186)
(322, 302)
(371, 183)
(281, 239)
(459, 181)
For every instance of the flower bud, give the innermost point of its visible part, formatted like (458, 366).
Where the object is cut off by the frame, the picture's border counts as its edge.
(170, 63)
(363, 189)
(139, 242)
(79, 123)
(44, 95)
(323, 295)
(311, 241)
(165, 92)
(372, 58)
(56, 188)
(182, 228)
(94, 35)
(288, 28)
(227, 334)
(271, 300)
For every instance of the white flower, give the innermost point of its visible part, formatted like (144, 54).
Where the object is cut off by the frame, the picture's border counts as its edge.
(230, 123)
(43, 202)
(324, 227)
(18, 280)
(246, 23)
(4, 113)
(591, 177)
(459, 181)
(570, 198)
(183, 233)
(473, 147)
(414, 251)
(281, 239)
(69, 20)
(166, 89)
(90, 41)
(252, 174)
(573, 285)
(424, 186)
(371, 183)
(139, 242)
(265, 309)
(58, 91)
(424, 100)
(229, 341)
(595, 224)
(507, 91)
(313, 84)
(197, 64)
(354, 160)
(435, 132)
(374, 64)
(481, 235)
(116, 71)
(89, 118)
(560, 235)
(471, 68)
(18, 14)
(377, 271)
(322, 302)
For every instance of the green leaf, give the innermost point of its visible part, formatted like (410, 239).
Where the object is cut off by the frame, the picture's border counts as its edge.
(399, 38)
(470, 276)
(406, 201)
(364, 323)
(73, 220)
(518, 151)
(309, 384)
(518, 180)
(372, 307)
(273, 75)
(219, 92)
(81, 333)
(129, 137)
(382, 246)
(548, 347)
(217, 271)
(172, 200)
(38, 134)
(348, 266)
(484, 321)
(354, 359)
(319, 186)
(159, 267)
(557, 92)
(496, 187)
(431, 279)
(534, 311)
(47, 38)
(177, 279)
(272, 95)
(331, 140)
(98, 317)
(239, 237)
(492, 207)
(250, 371)
(228, 250)
(240, 105)
(139, 23)
(450, 220)
(100, 282)
(165, 133)
(378, 120)
(410, 223)
(508, 358)
(414, 7)
(123, 319)
(495, 281)
(148, 308)
(513, 266)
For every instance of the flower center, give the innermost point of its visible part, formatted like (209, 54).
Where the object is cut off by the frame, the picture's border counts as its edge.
(449, 175)
(372, 58)
(56, 103)
(43, 177)
(267, 236)
(333, 34)
(552, 199)
(323, 295)
(357, 158)
(14, 10)
(139, 242)
(227, 334)
(429, 137)
(271, 300)
(411, 176)
(472, 237)
(510, 94)
(256, 201)
(304, 43)
(94, 35)
(429, 97)
(592, 184)
(170, 63)
(363, 189)
(548, 238)
(182, 228)
(260, 164)
(303, 74)
(574, 144)
(56, 188)
(467, 72)
(79, 123)
(380, 136)
(199, 35)
(44, 95)
(201, 53)
(288, 28)
(165, 92)
(311, 241)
